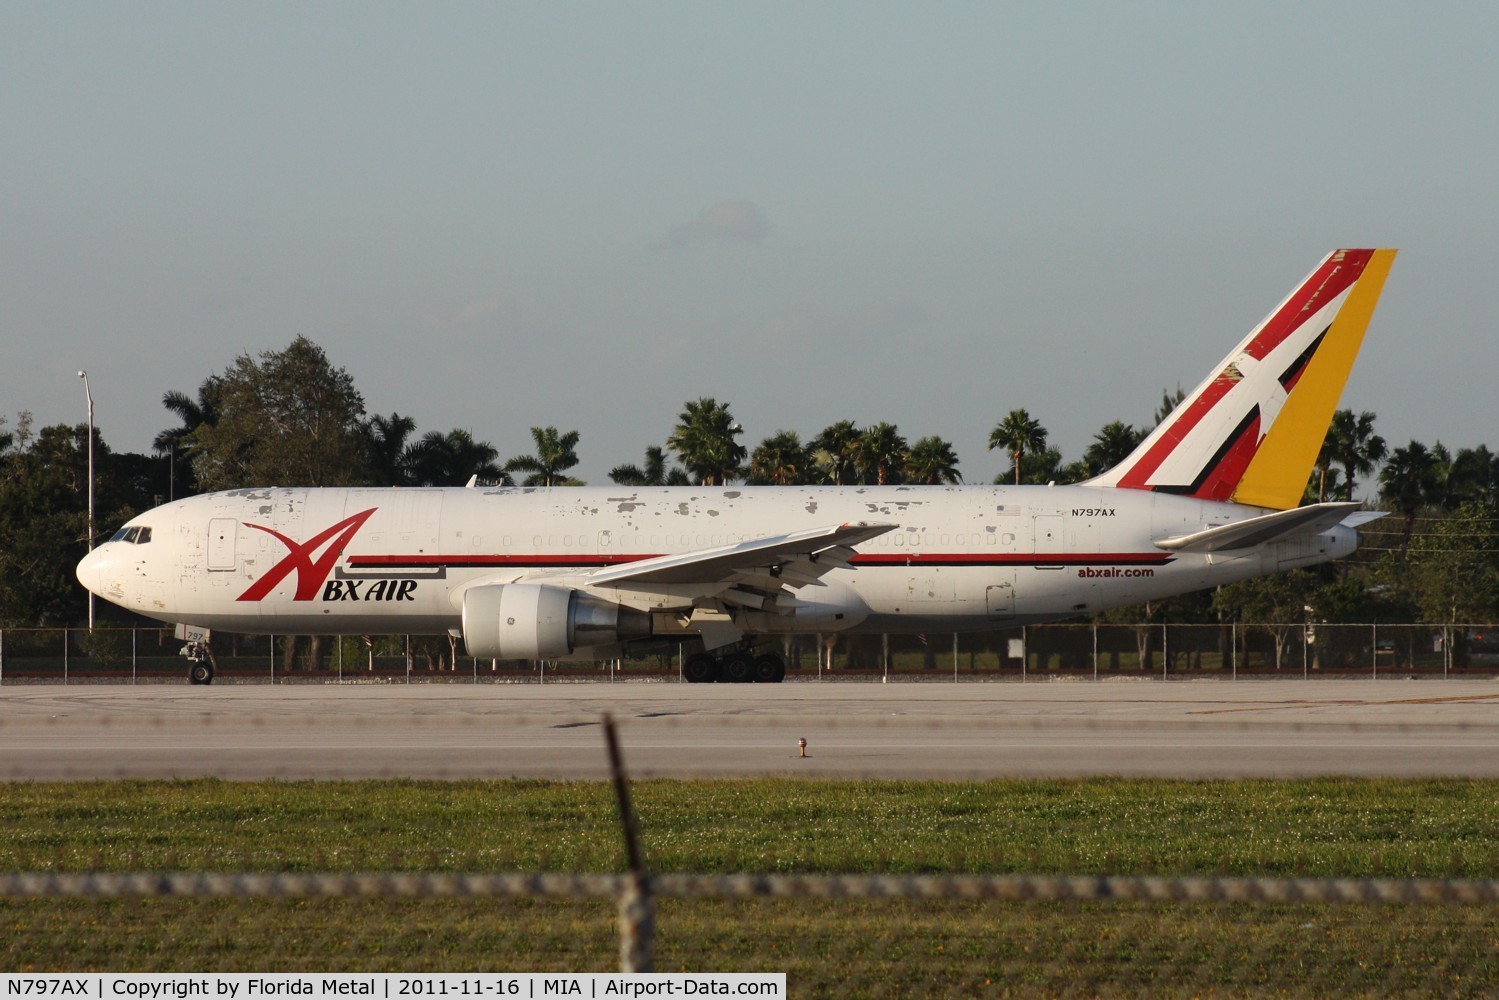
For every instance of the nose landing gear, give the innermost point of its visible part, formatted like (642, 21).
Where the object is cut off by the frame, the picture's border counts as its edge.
(199, 662)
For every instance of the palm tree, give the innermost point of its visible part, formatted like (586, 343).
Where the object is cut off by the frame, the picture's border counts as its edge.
(452, 459)
(1411, 480)
(781, 460)
(555, 454)
(655, 472)
(177, 442)
(1111, 445)
(1351, 443)
(836, 451)
(882, 454)
(1018, 434)
(1473, 476)
(392, 459)
(1169, 402)
(932, 462)
(704, 441)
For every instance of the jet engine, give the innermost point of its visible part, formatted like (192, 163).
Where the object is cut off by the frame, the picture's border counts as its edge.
(528, 621)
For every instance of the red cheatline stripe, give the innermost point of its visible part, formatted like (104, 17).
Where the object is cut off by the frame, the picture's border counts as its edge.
(418, 561)
(893, 559)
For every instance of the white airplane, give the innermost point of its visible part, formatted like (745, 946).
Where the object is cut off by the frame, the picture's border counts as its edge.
(577, 572)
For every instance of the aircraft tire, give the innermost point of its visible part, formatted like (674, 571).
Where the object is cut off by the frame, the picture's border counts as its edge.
(200, 673)
(738, 668)
(700, 668)
(769, 669)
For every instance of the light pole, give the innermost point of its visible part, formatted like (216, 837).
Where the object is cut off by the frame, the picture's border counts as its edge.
(87, 392)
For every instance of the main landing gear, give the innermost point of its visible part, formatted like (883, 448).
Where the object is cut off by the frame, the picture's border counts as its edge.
(737, 667)
(199, 662)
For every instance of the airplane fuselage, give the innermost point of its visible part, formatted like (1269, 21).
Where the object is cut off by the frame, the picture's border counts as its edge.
(957, 558)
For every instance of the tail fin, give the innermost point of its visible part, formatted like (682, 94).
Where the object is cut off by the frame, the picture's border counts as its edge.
(1251, 431)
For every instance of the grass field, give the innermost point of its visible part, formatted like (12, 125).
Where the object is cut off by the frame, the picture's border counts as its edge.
(1439, 828)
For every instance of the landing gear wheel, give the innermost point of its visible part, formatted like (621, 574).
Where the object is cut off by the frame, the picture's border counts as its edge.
(769, 669)
(739, 668)
(200, 673)
(700, 668)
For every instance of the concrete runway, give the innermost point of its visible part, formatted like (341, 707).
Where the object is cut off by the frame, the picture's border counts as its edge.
(1189, 729)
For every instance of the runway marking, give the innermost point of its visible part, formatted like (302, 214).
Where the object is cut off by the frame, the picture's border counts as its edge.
(1468, 699)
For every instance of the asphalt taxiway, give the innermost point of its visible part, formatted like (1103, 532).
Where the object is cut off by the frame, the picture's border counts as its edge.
(1189, 729)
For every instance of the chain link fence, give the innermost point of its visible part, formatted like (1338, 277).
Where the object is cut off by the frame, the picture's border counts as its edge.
(1035, 652)
(834, 935)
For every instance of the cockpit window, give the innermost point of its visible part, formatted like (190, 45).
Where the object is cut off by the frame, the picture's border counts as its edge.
(143, 537)
(137, 535)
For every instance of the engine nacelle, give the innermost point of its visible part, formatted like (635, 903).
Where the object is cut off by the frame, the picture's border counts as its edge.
(529, 621)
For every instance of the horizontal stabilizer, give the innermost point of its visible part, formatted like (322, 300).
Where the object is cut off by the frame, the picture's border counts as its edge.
(1310, 520)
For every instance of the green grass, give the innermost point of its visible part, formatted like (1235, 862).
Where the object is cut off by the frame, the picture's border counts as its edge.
(1330, 827)
(1322, 827)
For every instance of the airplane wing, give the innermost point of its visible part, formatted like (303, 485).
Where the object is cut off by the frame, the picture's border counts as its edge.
(1309, 520)
(792, 560)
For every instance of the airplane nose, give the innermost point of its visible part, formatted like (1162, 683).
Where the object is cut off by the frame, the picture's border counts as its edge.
(91, 571)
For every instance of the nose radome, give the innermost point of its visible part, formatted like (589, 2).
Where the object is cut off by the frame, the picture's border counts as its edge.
(91, 570)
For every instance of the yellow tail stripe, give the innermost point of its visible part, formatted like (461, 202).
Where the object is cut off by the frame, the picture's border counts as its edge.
(1278, 473)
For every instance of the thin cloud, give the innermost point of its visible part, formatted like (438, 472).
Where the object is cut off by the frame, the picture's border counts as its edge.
(733, 221)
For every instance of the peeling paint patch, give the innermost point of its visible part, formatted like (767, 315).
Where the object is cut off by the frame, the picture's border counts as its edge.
(733, 494)
(811, 506)
(626, 507)
(683, 509)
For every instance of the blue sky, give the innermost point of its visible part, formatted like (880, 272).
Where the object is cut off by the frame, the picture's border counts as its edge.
(504, 215)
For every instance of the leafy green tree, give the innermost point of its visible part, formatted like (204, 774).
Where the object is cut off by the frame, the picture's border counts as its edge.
(555, 454)
(835, 451)
(44, 518)
(452, 459)
(1454, 567)
(653, 473)
(1276, 603)
(932, 462)
(704, 441)
(1019, 435)
(882, 454)
(287, 418)
(781, 460)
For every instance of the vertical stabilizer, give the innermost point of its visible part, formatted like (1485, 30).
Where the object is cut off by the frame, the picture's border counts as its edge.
(1250, 432)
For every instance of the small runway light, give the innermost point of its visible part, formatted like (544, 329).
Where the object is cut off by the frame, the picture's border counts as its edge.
(802, 745)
